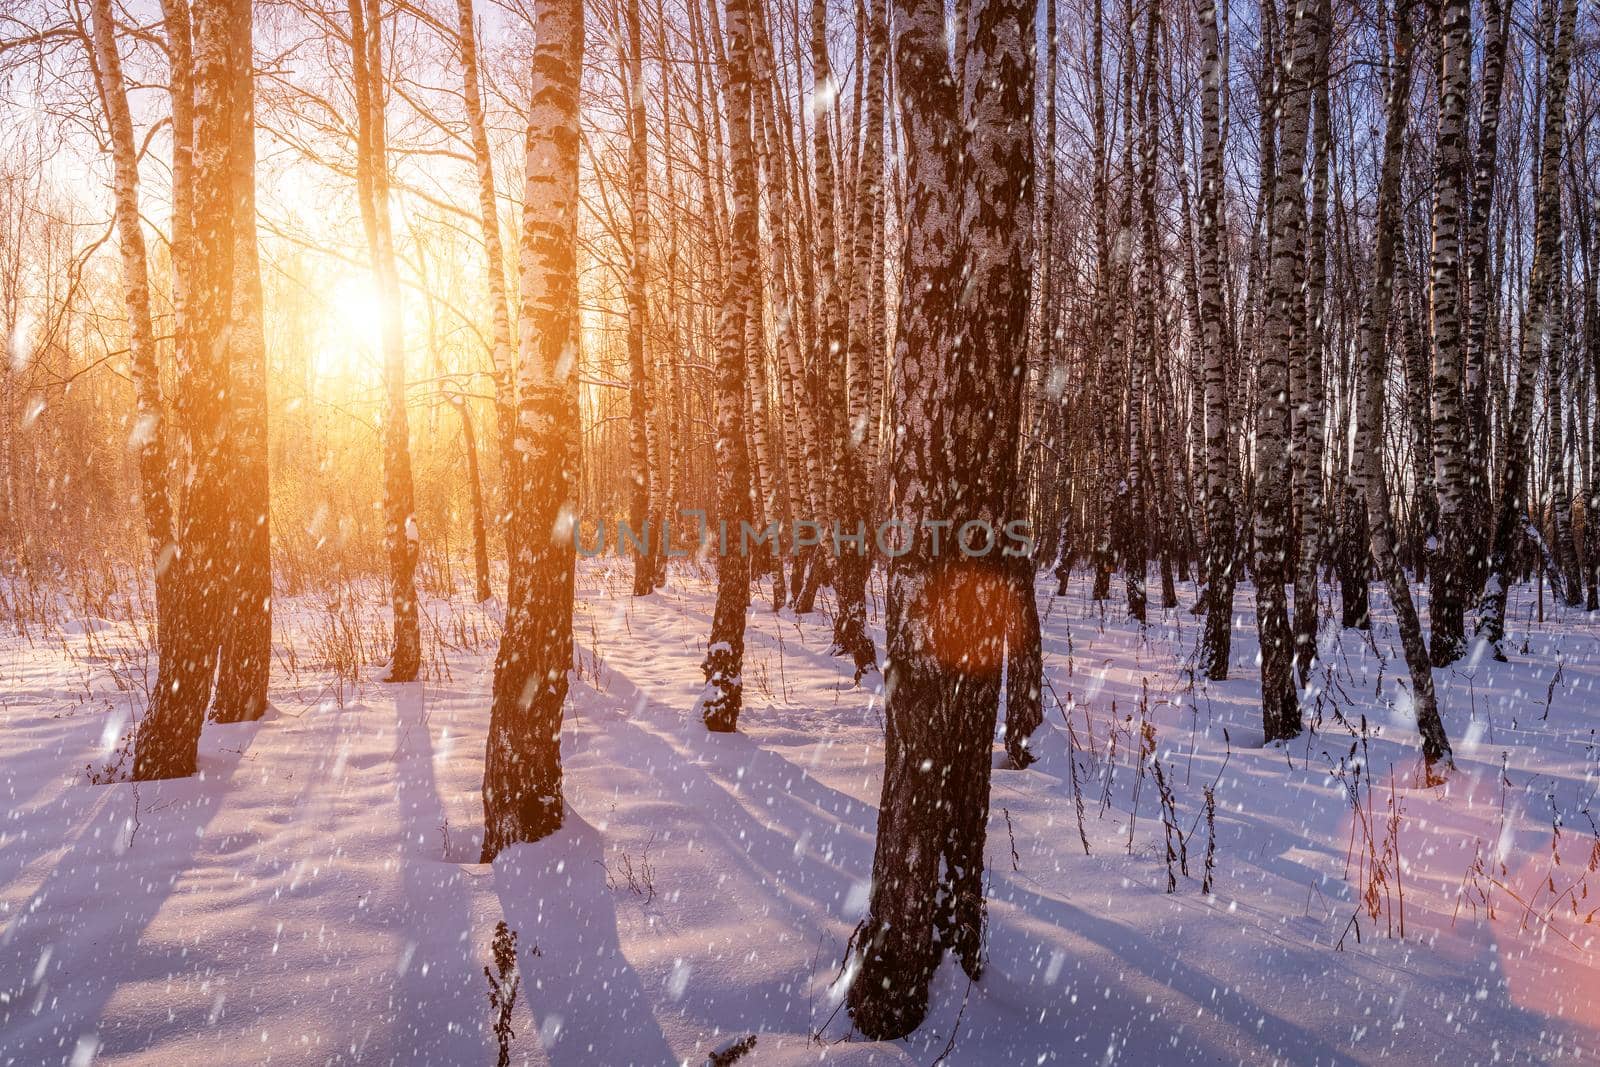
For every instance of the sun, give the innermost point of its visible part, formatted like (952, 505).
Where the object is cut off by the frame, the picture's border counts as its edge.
(350, 340)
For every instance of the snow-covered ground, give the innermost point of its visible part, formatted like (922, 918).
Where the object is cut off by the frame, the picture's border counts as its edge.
(313, 896)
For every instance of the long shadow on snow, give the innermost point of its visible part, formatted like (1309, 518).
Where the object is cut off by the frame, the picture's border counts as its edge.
(53, 753)
(78, 938)
(29, 834)
(792, 804)
(442, 983)
(587, 1000)
(1018, 972)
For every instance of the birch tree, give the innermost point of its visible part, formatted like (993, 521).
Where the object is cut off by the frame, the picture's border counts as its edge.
(1373, 357)
(723, 696)
(401, 536)
(850, 622)
(150, 426)
(1538, 326)
(1450, 471)
(522, 797)
(961, 356)
(1216, 340)
(247, 637)
(1306, 379)
(169, 735)
(640, 394)
(1496, 20)
(500, 348)
(1284, 348)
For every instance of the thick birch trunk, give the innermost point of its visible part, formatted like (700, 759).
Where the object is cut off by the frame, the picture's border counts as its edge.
(169, 735)
(247, 640)
(522, 799)
(959, 354)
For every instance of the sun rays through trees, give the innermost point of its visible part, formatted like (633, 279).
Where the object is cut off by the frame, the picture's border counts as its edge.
(1032, 373)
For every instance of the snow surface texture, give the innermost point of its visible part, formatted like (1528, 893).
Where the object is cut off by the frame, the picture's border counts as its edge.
(311, 898)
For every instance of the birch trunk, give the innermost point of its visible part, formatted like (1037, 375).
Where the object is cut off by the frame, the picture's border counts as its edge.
(1373, 330)
(1450, 471)
(247, 639)
(723, 696)
(1127, 349)
(169, 734)
(1284, 348)
(850, 621)
(522, 798)
(641, 400)
(150, 431)
(1310, 401)
(1511, 514)
(959, 356)
(1024, 694)
(1217, 337)
(897, 942)
(480, 532)
(1480, 283)
(401, 538)
(500, 346)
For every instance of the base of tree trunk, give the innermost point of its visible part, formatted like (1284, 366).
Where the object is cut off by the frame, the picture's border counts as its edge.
(406, 663)
(723, 698)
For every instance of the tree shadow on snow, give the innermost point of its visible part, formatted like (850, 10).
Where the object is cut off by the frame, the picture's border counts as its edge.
(442, 982)
(586, 999)
(806, 843)
(78, 938)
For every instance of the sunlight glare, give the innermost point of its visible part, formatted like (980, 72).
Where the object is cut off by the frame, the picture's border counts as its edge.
(351, 338)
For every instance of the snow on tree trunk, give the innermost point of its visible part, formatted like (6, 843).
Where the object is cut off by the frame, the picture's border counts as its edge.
(522, 798)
